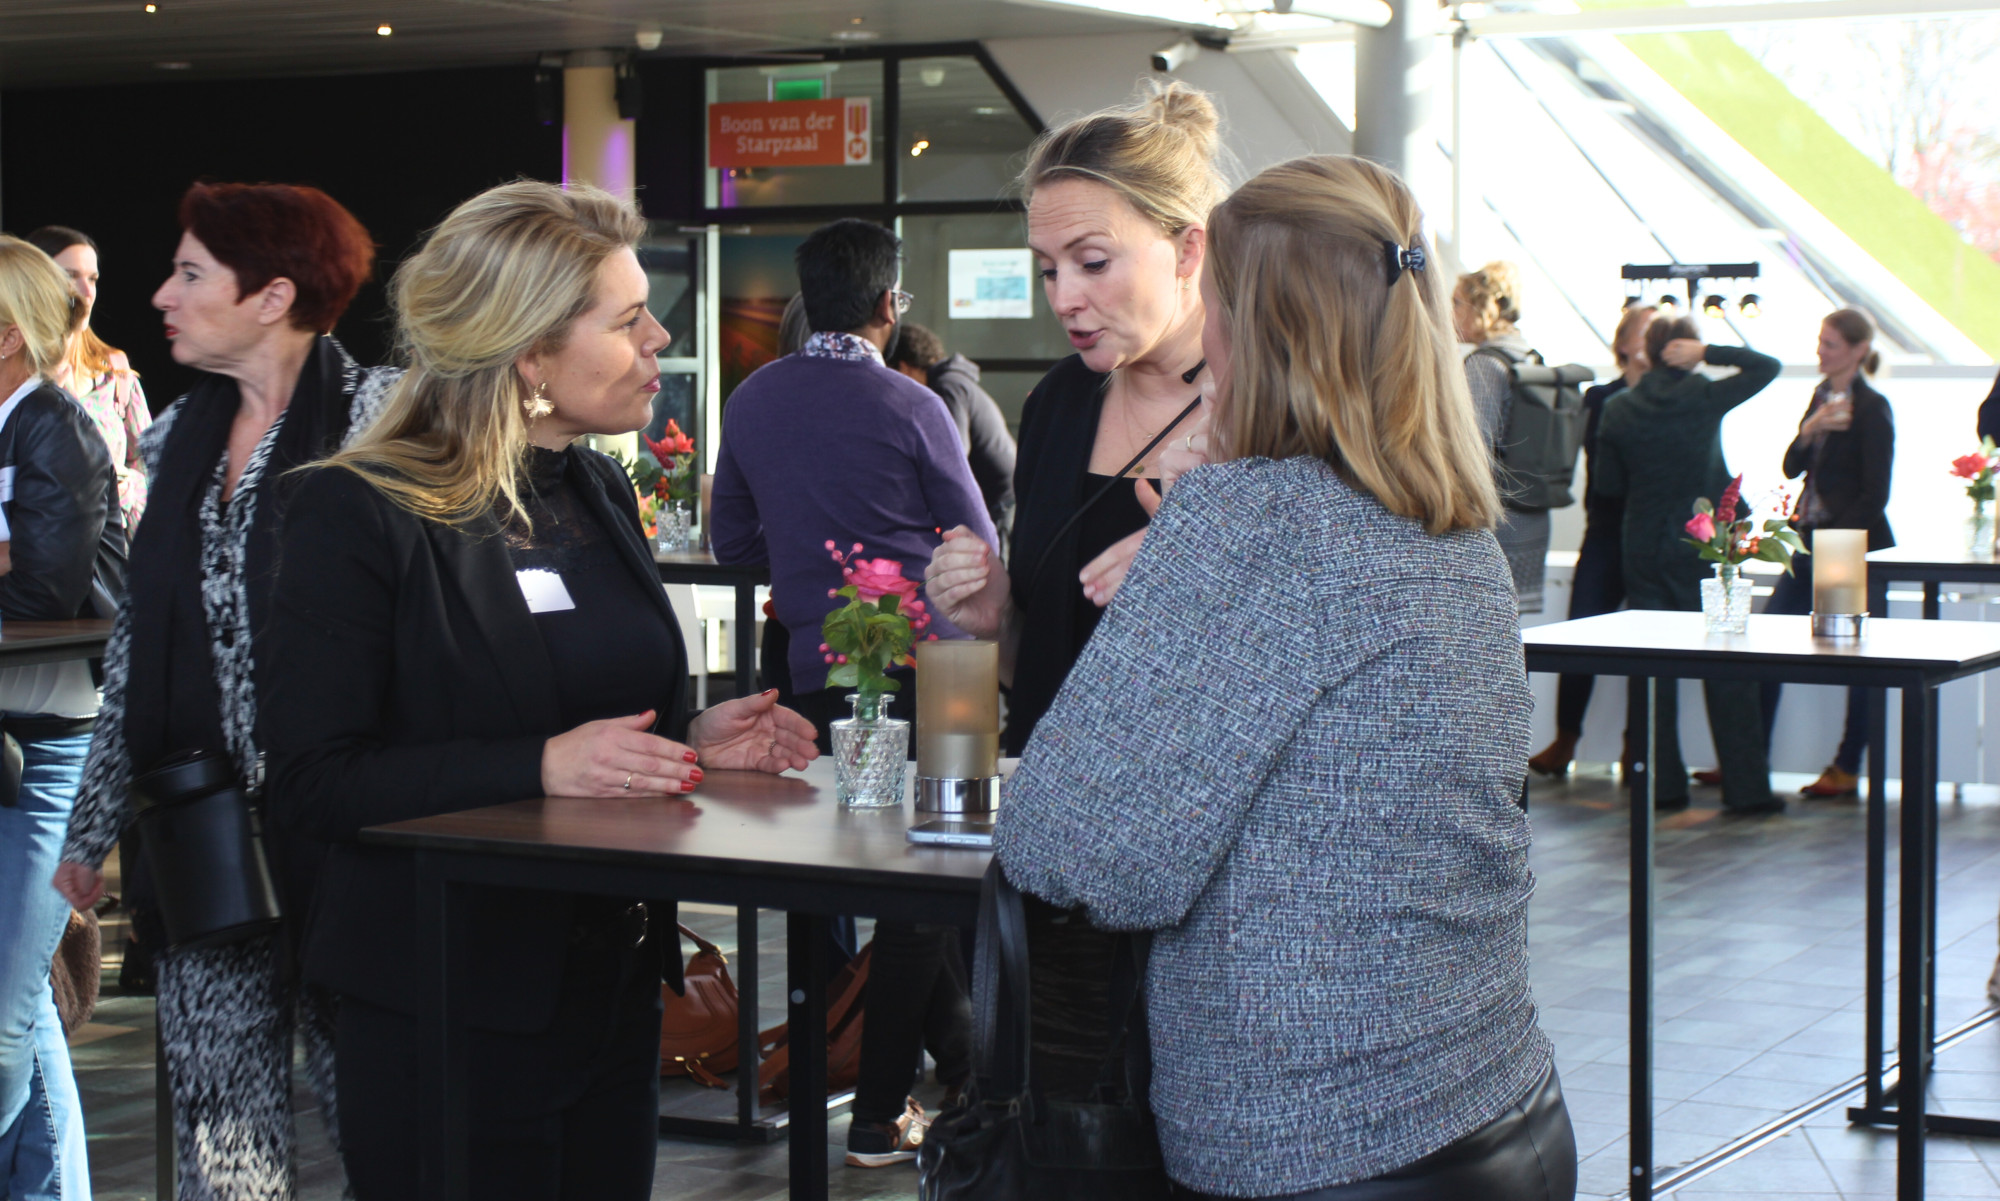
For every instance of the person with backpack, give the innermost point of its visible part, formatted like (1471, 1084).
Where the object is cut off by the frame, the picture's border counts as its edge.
(1531, 415)
(58, 514)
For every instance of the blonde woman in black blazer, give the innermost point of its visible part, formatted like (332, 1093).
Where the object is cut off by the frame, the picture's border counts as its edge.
(466, 614)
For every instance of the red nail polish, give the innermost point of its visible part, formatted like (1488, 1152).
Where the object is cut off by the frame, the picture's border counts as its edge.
(690, 756)
(687, 785)
(695, 775)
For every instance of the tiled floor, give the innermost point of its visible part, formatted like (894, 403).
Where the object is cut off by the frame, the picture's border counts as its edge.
(1759, 983)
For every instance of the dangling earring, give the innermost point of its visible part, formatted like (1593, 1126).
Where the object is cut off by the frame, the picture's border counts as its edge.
(537, 405)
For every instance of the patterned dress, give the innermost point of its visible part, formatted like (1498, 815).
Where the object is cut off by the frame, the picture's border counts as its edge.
(226, 1014)
(117, 403)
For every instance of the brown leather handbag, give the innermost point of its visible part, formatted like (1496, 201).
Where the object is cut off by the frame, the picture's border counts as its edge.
(74, 972)
(843, 1037)
(698, 1028)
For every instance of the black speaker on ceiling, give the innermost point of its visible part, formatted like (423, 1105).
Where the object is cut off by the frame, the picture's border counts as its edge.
(631, 93)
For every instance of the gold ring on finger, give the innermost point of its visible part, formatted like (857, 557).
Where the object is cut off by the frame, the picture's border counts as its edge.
(628, 780)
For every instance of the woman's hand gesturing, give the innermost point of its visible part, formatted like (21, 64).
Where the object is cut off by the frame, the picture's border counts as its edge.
(966, 583)
(618, 756)
(753, 733)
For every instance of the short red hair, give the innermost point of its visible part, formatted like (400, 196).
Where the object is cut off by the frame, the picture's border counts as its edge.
(268, 231)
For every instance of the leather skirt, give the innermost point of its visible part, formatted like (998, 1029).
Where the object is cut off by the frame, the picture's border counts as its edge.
(1526, 1154)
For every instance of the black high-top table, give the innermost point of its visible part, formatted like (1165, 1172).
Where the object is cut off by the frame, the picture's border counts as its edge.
(1932, 567)
(745, 839)
(700, 567)
(1913, 656)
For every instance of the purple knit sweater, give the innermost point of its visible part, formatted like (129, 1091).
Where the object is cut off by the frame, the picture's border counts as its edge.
(819, 448)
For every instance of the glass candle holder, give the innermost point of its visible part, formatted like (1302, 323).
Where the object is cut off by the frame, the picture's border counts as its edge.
(1840, 582)
(958, 726)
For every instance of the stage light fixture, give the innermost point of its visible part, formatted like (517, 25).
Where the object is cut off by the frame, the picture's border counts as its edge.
(1633, 302)
(1750, 305)
(383, 30)
(1714, 307)
(1669, 301)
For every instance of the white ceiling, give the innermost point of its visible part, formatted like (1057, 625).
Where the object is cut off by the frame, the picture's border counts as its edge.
(59, 42)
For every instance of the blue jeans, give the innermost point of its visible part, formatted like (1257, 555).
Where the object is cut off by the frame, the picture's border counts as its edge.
(41, 1123)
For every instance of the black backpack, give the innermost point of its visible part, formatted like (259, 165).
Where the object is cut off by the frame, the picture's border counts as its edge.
(1535, 455)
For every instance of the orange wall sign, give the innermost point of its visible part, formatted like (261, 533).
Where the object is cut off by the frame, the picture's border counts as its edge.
(790, 133)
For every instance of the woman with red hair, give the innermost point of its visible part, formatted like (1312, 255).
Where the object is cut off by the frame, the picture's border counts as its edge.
(262, 273)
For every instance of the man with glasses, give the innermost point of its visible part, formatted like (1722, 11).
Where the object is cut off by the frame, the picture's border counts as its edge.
(824, 446)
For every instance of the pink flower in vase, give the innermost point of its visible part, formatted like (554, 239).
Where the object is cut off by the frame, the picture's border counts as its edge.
(1968, 467)
(1701, 528)
(1725, 509)
(874, 579)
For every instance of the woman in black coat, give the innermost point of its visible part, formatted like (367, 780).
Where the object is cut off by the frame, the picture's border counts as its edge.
(262, 272)
(1846, 448)
(467, 614)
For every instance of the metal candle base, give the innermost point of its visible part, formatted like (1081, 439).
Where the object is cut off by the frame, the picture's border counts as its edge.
(945, 795)
(1841, 627)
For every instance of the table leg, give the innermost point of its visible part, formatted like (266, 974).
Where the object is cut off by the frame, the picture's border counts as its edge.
(1913, 1017)
(1931, 606)
(807, 939)
(165, 1179)
(1641, 950)
(444, 1127)
(746, 638)
(746, 1017)
(1877, 891)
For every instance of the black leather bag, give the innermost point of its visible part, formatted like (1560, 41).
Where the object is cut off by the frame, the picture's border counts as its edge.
(1005, 1141)
(211, 877)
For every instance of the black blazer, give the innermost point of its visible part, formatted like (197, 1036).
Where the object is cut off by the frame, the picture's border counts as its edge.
(407, 679)
(64, 513)
(1989, 413)
(1850, 468)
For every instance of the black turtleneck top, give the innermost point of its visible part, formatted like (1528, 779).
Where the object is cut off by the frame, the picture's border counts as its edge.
(606, 648)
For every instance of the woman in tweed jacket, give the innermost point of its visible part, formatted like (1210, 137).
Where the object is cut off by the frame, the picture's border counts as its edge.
(1294, 746)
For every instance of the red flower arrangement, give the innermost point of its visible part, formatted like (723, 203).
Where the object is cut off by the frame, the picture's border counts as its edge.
(1978, 469)
(1720, 536)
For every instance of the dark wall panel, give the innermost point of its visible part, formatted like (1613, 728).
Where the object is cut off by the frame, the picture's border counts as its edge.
(398, 150)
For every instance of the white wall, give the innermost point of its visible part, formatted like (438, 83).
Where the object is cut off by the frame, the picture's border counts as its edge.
(1270, 112)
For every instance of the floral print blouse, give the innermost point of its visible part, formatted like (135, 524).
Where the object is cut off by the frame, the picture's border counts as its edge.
(117, 403)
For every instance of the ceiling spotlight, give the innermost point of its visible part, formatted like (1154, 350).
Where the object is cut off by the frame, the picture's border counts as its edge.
(854, 21)
(1750, 305)
(152, 8)
(1670, 301)
(932, 76)
(855, 35)
(918, 147)
(1633, 302)
(985, 110)
(647, 37)
(384, 30)
(1713, 307)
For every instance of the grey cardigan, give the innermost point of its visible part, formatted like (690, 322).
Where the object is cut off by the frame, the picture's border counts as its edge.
(1293, 748)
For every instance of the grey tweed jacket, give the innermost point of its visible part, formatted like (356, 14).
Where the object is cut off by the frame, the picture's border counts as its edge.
(1293, 749)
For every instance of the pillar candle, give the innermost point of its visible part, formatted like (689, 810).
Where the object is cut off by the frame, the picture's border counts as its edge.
(958, 709)
(1840, 571)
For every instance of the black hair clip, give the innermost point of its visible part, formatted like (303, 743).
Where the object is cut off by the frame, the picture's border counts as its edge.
(1401, 260)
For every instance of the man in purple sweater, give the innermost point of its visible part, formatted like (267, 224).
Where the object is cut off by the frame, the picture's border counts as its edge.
(831, 445)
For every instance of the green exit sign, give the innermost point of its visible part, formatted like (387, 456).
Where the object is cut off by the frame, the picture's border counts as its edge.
(798, 89)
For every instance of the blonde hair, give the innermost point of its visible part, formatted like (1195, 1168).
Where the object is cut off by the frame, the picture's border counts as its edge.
(35, 297)
(1158, 151)
(507, 274)
(1330, 355)
(1494, 294)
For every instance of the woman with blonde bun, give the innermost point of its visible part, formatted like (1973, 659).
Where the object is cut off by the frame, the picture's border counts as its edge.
(1292, 750)
(1485, 310)
(467, 614)
(1118, 202)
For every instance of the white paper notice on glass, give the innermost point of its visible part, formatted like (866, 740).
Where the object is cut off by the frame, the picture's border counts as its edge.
(991, 283)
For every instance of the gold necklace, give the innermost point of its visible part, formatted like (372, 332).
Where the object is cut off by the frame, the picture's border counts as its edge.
(1132, 431)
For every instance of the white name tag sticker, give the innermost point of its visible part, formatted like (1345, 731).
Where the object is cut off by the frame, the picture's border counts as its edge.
(6, 484)
(544, 591)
